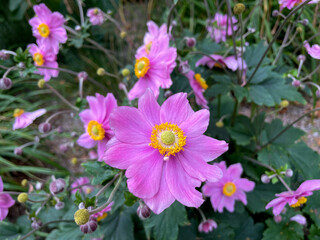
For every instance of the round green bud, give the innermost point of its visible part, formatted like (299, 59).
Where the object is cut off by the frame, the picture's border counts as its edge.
(101, 71)
(284, 104)
(123, 34)
(24, 182)
(239, 8)
(299, 29)
(219, 124)
(41, 83)
(22, 197)
(125, 72)
(81, 216)
(74, 160)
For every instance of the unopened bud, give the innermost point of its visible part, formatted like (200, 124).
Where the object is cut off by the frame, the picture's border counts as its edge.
(17, 151)
(39, 185)
(277, 218)
(57, 186)
(275, 13)
(296, 83)
(123, 34)
(82, 76)
(77, 28)
(125, 72)
(239, 8)
(219, 124)
(289, 172)
(22, 197)
(168, 93)
(184, 67)
(81, 205)
(41, 83)
(24, 182)
(301, 58)
(100, 71)
(36, 224)
(74, 160)
(59, 205)
(191, 42)
(265, 179)
(5, 83)
(305, 22)
(299, 29)
(81, 216)
(4, 55)
(44, 127)
(143, 212)
(284, 103)
(21, 65)
(89, 227)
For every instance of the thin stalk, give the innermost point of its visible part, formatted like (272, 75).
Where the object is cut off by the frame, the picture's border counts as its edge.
(241, 44)
(310, 75)
(56, 114)
(283, 45)
(207, 9)
(81, 12)
(284, 183)
(107, 185)
(170, 15)
(219, 105)
(202, 214)
(235, 110)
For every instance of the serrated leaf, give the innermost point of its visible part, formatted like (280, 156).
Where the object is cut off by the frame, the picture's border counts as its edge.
(100, 171)
(283, 231)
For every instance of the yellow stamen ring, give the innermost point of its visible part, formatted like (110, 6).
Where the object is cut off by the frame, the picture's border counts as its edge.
(18, 112)
(202, 82)
(229, 189)
(44, 30)
(38, 58)
(141, 67)
(168, 139)
(301, 200)
(95, 130)
(104, 215)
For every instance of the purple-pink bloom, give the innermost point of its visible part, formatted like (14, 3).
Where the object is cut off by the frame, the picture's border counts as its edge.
(207, 226)
(217, 27)
(229, 188)
(48, 28)
(96, 16)
(299, 219)
(220, 62)
(103, 213)
(96, 122)
(294, 198)
(87, 188)
(6, 202)
(313, 51)
(24, 119)
(43, 57)
(292, 3)
(198, 85)
(163, 150)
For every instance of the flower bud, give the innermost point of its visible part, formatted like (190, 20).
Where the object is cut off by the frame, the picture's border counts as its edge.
(24, 182)
(275, 13)
(125, 72)
(63, 147)
(284, 103)
(299, 219)
(36, 139)
(219, 124)
(301, 58)
(299, 29)
(168, 93)
(21, 65)
(44, 127)
(296, 83)
(239, 8)
(17, 151)
(265, 179)
(81, 216)
(123, 34)
(100, 71)
(318, 93)
(22, 197)
(4, 55)
(89, 227)
(59, 205)
(39, 185)
(57, 186)
(277, 218)
(77, 28)
(5, 83)
(191, 42)
(289, 172)
(81, 205)
(305, 22)
(207, 226)
(82, 76)
(74, 160)
(36, 223)
(41, 83)
(143, 212)
(184, 67)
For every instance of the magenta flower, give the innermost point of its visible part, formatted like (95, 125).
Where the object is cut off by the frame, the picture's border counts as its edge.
(198, 85)
(87, 188)
(217, 27)
(44, 58)
(313, 51)
(207, 226)
(294, 198)
(103, 213)
(292, 3)
(24, 119)
(219, 61)
(164, 150)
(96, 122)
(6, 202)
(96, 16)
(229, 188)
(48, 28)
(299, 219)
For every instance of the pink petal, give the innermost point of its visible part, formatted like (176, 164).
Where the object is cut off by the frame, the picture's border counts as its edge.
(1, 184)
(59, 34)
(6, 201)
(299, 219)
(196, 124)
(22, 122)
(86, 116)
(102, 146)
(42, 11)
(244, 184)
(141, 86)
(241, 196)
(234, 171)
(309, 186)
(35, 114)
(86, 141)
(149, 107)
(3, 213)
(56, 20)
(228, 203)
(231, 63)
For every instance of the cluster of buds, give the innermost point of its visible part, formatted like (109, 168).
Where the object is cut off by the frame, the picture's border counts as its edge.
(36, 223)
(283, 171)
(88, 224)
(57, 186)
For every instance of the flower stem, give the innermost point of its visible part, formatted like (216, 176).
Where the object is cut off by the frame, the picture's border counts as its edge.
(170, 15)
(202, 214)
(81, 12)
(107, 185)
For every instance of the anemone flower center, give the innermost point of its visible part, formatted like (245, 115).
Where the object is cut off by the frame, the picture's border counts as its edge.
(38, 58)
(103, 216)
(18, 112)
(148, 47)
(202, 82)
(95, 130)
(141, 67)
(96, 11)
(168, 139)
(301, 200)
(44, 30)
(229, 189)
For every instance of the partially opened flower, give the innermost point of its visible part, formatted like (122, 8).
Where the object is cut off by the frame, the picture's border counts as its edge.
(229, 188)
(48, 28)
(163, 150)
(220, 62)
(294, 198)
(217, 27)
(43, 57)
(207, 226)
(6, 202)
(24, 119)
(292, 3)
(313, 51)
(82, 184)
(96, 16)
(96, 122)
(103, 213)
(198, 85)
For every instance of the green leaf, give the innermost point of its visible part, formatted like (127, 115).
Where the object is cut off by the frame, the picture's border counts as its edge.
(273, 155)
(249, 230)
(99, 170)
(283, 231)
(165, 226)
(314, 233)
(130, 199)
(312, 208)
(253, 54)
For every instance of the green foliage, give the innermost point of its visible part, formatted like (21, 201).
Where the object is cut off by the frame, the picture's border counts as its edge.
(282, 230)
(100, 171)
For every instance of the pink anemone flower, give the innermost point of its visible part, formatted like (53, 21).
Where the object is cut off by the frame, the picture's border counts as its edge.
(163, 150)
(48, 28)
(96, 16)
(294, 198)
(217, 27)
(6, 202)
(198, 85)
(77, 185)
(44, 58)
(24, 119)
(96, 122)
(207, 226)
(292, 3)
(103, 213)
(219, 61)
(313, 51)
(229, 188)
